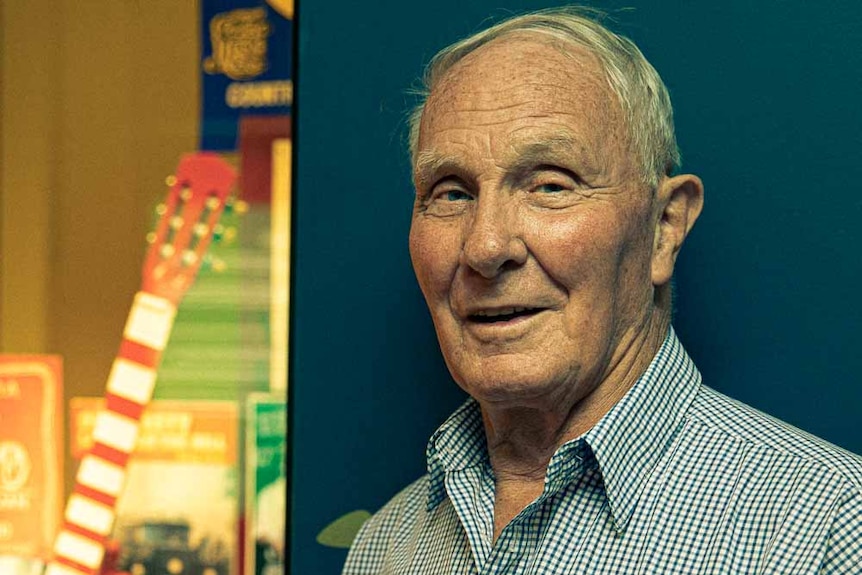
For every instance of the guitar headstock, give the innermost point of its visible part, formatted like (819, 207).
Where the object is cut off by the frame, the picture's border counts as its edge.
(187, 223)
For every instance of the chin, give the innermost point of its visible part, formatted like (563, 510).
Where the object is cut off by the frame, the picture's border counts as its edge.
(523, 386)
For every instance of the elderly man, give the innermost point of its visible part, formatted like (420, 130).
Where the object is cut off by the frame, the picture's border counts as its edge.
(547, 222)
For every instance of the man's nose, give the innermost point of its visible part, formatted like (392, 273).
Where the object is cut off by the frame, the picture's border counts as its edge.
(494, 241)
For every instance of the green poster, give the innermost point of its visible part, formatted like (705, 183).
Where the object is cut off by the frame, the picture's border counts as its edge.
(266, 484)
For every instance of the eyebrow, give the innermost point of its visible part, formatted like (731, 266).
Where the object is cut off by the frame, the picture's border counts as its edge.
(552, 150)
(557, 148)
(429, 163)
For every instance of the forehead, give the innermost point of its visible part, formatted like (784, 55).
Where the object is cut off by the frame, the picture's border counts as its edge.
(514, 91)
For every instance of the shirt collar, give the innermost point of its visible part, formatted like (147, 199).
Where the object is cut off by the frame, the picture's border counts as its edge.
(456, 445)
(631, 438)
(627, 443)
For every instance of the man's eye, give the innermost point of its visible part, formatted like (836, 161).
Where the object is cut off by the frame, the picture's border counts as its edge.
(457, 195)
(446, 202)
(550, 188)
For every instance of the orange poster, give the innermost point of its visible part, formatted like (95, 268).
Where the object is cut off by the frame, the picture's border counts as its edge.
(181, 498)
(31, 401)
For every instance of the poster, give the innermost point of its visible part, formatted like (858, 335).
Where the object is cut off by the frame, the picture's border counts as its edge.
(266, 485)
(31, 484)
(246, 65)
(180, 505)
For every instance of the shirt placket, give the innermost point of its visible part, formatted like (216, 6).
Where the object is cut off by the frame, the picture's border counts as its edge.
(507, 553)
(515, 550)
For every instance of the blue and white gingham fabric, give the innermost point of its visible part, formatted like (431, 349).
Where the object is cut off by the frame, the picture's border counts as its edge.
(676, 478)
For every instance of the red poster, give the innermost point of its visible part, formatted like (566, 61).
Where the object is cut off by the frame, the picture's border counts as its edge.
(31, 409)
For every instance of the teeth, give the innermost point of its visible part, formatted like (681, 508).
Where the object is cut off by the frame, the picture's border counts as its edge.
(504, 311)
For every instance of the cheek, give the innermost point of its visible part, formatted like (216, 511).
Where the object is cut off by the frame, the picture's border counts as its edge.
(593, 256)
(434, 254)
(573, 250)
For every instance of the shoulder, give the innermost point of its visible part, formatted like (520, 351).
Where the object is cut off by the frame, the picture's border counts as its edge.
(380, 534)
(802, 491)
(402, 509)
(769, 441)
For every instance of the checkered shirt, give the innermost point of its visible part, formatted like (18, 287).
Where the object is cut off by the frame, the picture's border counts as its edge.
(676, 478)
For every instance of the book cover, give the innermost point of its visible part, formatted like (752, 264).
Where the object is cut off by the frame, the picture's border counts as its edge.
(266, 485)
(179, 511)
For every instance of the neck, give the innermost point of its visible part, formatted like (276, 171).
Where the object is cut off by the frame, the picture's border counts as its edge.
(523, 438)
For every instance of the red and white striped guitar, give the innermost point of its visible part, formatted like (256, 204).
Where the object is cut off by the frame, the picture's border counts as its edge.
(187, 222)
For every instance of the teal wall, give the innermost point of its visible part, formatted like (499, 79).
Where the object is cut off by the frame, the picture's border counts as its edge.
(767, 99)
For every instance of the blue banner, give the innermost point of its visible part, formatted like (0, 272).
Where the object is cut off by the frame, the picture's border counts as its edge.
(246, 65)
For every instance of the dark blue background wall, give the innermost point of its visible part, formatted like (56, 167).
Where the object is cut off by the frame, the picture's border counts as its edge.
(766, 97)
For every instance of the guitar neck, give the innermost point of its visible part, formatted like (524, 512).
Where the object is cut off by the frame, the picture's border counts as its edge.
(187, 224)
(79, 548)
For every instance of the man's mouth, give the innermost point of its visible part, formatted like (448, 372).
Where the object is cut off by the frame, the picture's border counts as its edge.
(502, 314)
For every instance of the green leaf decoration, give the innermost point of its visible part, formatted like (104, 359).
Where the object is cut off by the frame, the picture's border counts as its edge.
(341, 532)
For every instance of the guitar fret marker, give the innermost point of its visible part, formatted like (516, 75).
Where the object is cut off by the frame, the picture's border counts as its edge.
(150, 321)
(104, 476)
(89, 514)
(131, 381)
(79, 549)
(101, 476)
(115, 431)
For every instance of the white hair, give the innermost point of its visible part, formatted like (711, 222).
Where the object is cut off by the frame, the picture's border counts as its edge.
(642, 95)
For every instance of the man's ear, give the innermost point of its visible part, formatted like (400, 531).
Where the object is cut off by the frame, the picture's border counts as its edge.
(679, 201)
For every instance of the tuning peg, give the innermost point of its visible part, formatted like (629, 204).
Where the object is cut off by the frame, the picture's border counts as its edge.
(223, 234)
(213, 263)
(189, 258)
(212, 203)
(235, 205)
(201, 229)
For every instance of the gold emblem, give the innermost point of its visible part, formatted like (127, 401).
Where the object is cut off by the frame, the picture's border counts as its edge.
(239, 43)
(283, 7)
(14, 466)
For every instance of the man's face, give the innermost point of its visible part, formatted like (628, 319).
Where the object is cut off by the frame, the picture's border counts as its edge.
(532, 232)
